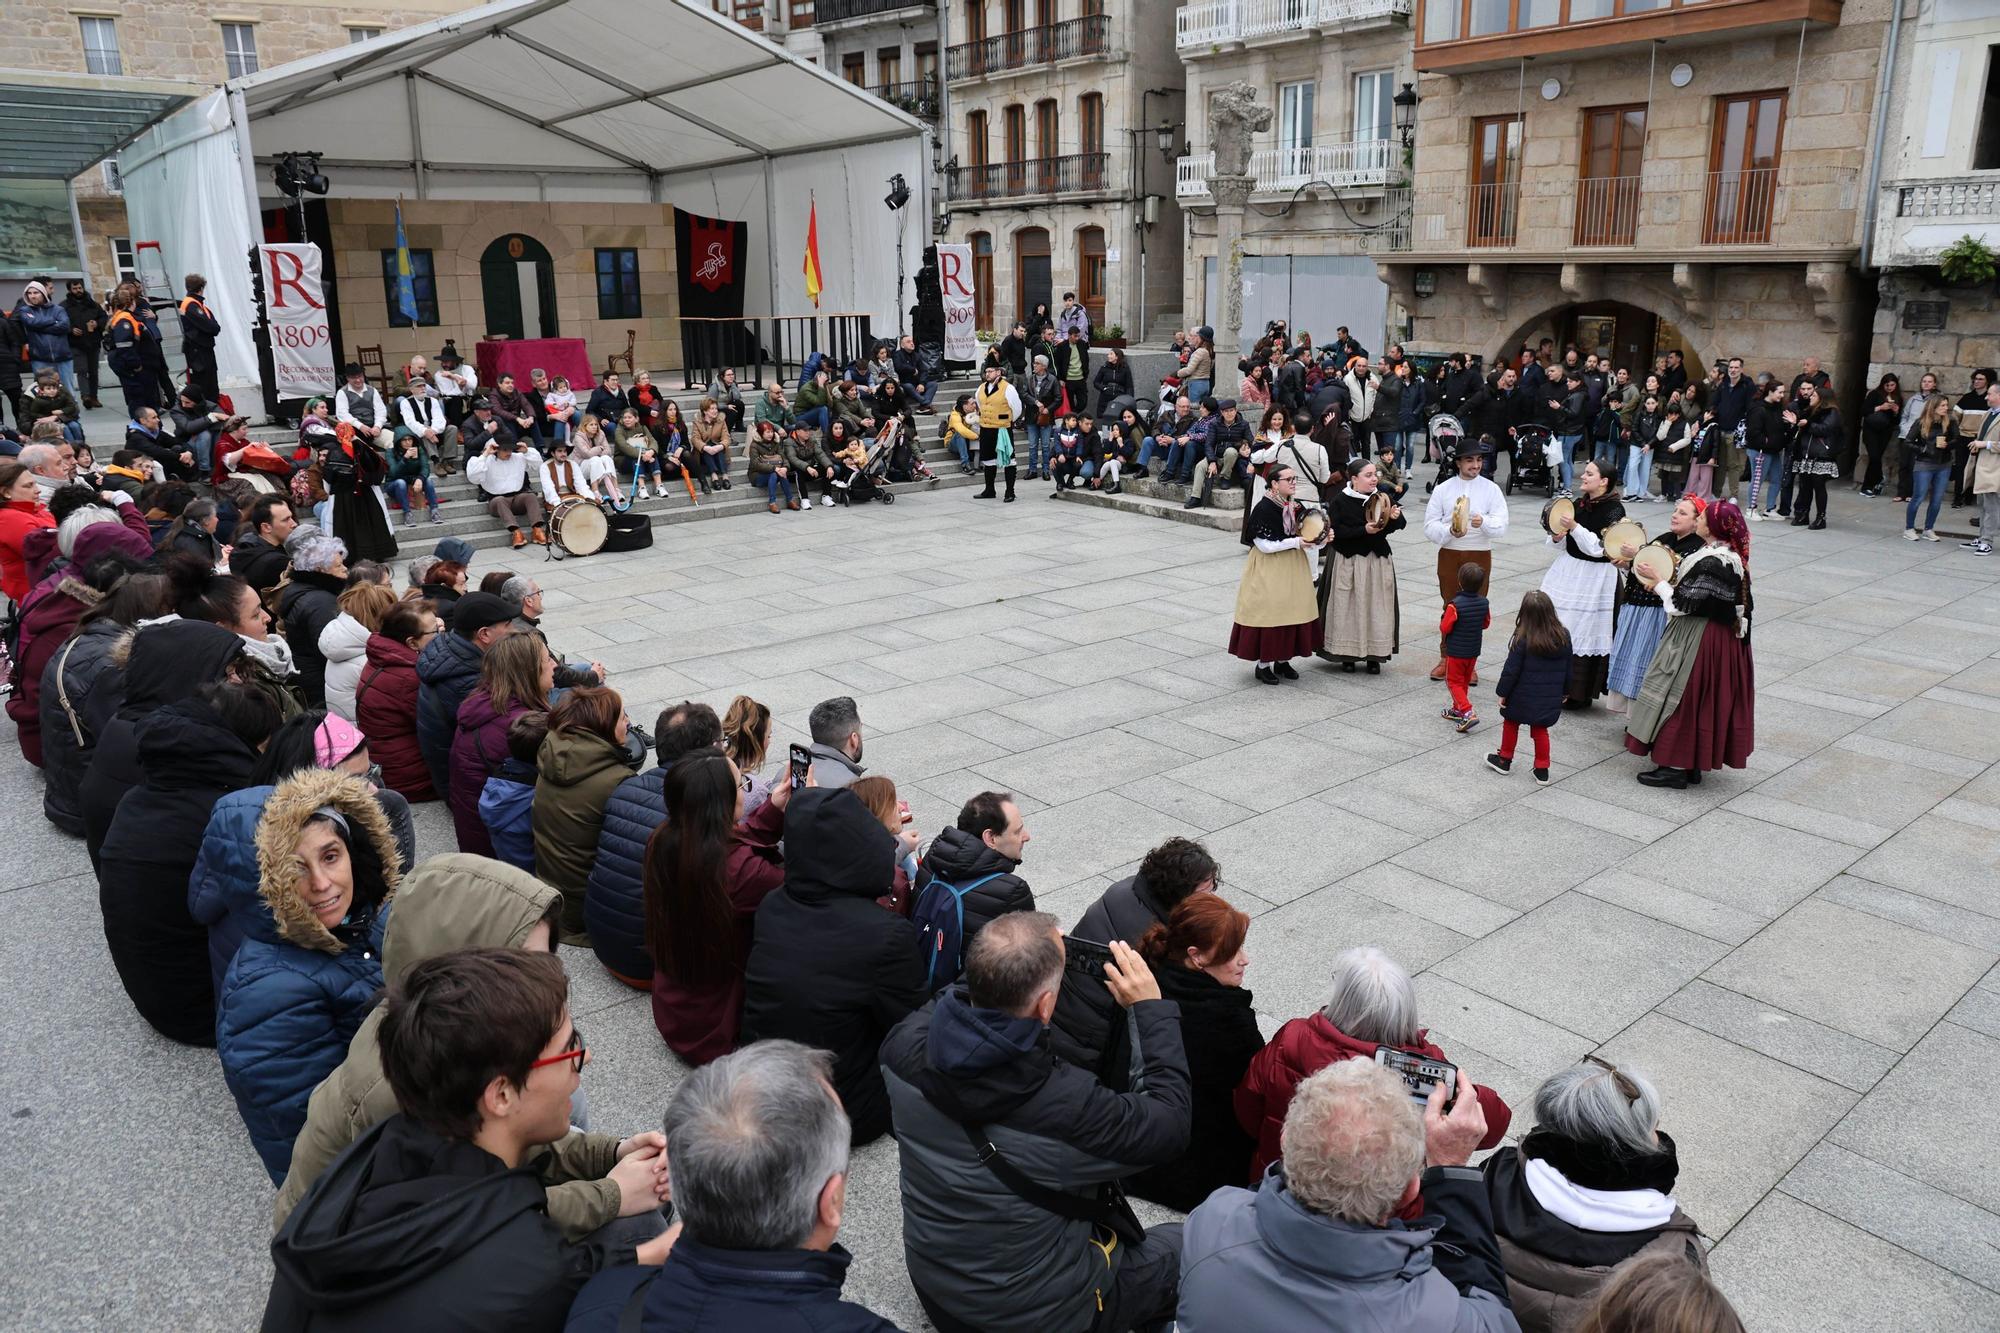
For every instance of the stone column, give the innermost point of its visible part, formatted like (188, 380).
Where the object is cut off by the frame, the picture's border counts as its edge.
(1230, 193)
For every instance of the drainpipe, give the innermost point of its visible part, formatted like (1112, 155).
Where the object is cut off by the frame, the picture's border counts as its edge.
(1868, 200)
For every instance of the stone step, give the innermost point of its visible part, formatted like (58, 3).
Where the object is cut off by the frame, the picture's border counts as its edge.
(1130, 502)
(1219, 497)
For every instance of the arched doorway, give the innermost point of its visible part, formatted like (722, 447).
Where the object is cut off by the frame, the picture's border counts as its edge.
(1034, 283)
(1632, 336)
(518, 281)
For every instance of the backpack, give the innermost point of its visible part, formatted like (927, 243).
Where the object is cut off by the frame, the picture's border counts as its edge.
(939, 916)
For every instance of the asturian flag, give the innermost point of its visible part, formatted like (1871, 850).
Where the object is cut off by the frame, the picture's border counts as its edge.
(406, 278)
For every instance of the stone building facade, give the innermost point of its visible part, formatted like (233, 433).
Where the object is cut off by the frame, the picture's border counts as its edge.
(1053, 172)
(1939, 181)
(1326, 172)
(1633, 183)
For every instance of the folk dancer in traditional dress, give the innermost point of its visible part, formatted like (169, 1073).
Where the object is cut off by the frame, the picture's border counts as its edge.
(1277, 618)
(1583, 584)
(1361, 577)
(1642, 616)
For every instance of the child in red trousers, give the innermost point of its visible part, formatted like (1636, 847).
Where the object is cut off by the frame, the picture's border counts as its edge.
(1533, 683)
(1465, 621)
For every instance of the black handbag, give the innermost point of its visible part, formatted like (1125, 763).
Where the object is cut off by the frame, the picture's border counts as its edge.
(629, 531)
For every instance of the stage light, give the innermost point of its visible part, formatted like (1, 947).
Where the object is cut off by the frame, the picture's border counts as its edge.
(899, 192)
(299, 173)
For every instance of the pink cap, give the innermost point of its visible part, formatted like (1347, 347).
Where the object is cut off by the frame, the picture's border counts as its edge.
(334, 740)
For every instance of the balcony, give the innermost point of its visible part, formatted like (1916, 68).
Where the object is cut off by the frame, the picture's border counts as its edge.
(830, 12)
(1078, 173)
(1350, 164)
(1030, 48)
(1917, 219)
(1203, 28)
(1790, 212)
(1458, 35)
(919, 98)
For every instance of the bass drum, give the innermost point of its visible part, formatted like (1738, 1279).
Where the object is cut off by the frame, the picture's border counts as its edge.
(578, 527)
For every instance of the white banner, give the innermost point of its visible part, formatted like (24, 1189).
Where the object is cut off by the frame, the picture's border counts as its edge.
(295, 311)
(955, 278)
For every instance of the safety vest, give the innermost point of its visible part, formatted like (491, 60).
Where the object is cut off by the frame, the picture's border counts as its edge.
(994, 414)
(187, 301)
(138, 329)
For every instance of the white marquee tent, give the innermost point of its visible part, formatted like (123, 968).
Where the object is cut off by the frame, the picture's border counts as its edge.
(619, 101)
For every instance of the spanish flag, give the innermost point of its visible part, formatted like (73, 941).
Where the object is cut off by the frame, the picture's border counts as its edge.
(813, 285)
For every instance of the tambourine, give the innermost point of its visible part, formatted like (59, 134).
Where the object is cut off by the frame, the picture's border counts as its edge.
(1558, 508)
(1312, 527)
(1376, 510)
(1461, 516)
(1657, 562)
(1618, 534)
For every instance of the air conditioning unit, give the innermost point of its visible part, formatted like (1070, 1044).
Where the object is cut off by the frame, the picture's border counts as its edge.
(113, 181)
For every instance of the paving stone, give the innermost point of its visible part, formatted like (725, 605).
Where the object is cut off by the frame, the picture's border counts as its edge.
(1266, 774)
(1081, 765)
(1292, 946)
(1674, 905)
(1915, 1119)
(1295, 849)
(1941, 919)
(1888, 1204)
(1942, 858)
(1744, 863)
(1517, 858)
(1843, 785)
(1456, 1014)
(1467, 913)
(1836, 1056)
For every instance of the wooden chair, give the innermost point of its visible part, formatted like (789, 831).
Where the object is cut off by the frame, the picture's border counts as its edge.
(374, 367)
(611, 362)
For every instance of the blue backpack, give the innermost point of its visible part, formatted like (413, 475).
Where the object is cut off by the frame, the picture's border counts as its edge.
(939, 916)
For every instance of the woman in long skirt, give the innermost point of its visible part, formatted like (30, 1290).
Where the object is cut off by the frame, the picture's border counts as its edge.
(1697, 709)
(1277, 617)
(352, 470)
(1642, 616)
(1583, 584)
(1361, 578)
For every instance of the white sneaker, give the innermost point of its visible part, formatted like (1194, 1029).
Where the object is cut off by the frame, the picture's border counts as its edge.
(826, 502)
(1909, 534)
(1929, 535)
(643, 494)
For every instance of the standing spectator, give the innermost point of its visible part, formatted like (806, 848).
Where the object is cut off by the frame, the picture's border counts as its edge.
(1881, 413)
(86, 336)
(199, 328)
(1984, 451)
(1198, 376)
(827, 966)
(1973, 400)
(1013, 1221)
(45, 325)
(581, 763)
(835, 725)
(1073, 321)
(1731, 405)
(515, 677)
(309, 603)
(1820, 435)
(133, 350)
(1112, 381)
(1319, 1242)
(1765, 439)
(448, 671)
(385, 697)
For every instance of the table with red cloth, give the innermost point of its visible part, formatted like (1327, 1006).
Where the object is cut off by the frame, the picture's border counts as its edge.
(518, 356)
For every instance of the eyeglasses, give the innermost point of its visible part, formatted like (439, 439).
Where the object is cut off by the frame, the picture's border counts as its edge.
(575, 1050)
(1626, 1087)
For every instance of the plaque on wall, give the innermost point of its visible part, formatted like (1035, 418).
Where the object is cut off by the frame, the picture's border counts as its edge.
(1926, 316)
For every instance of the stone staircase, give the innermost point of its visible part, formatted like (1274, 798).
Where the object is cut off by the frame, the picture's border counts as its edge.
(1159, 499)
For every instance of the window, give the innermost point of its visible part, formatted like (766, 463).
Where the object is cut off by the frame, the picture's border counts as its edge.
(618, 284)
(239, 48)
(1014, 130)
(114, 180)
(423, 277)
(1295, 128)
(1986, 140)
(1048, 142)
(854, 68)
(1743, 169)
(355, 36)
(975, 21)
(982, 279)
(1090, 123)
(1374, 109)
(1607, 203)
(121, 259)
(1090, 272)
(975, 138)
(749, 13)
(1496, 180)
(927, 65)
(889, 67)
(100, 47)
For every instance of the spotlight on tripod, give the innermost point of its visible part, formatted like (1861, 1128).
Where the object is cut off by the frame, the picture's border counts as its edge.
(299, 173)
(899, 192)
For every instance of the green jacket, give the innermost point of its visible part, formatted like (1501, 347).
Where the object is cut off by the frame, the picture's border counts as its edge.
(454, 901)
(800, 455)
(578, 772)
(815, 394)
(635, 441)
(778, 414)
(767, 456)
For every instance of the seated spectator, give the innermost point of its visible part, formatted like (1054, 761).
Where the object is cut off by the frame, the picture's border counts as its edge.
(757, 1150)
(444, 583)
(607, 401)
(309, 969)
(771, 466)
(614, 904)
(448, 671)
(197, 426)
(709, 440)
(309, 603)
(636, 443)
(979, 857)
(835, 725)
(1087, 1032)
(729, 395)
(507, 801)
(828, 967)
(432, 1204)
(815, 403)
(580, 764)
(506, 476)
(879, 795)
(191, 751)
(259, 557)
(128, 474)
(962, 433)
(850, 456)
(1660, 1292)
(193, 532)
(677, 454)
(99, 552)
(559, 408)
(650, 402)
(1318, 1243)
(1199, 960)
(595, 458)
(424, 434)
(910, 370)
(144, 435)
(773, 408)
(746, 738)
(1590, 1187)
(343, 644)
(22, 513)
(706, 876)
(811, 464)
(515, 677)
(516, 410)
(1372, 1003)
(1010, 1157)
(385, 697)
(69, 689)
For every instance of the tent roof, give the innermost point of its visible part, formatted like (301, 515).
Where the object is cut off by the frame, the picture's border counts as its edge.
(56, 126)
(658, 86)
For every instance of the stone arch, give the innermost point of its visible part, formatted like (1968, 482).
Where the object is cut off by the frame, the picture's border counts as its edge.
(1660, 292)
(493, 222)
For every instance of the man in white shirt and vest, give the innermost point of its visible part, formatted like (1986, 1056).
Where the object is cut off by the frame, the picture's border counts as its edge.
(1483, 523)
(999, 408)
(508, 474)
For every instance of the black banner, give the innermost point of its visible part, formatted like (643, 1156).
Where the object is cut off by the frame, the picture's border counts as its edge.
(710, 254)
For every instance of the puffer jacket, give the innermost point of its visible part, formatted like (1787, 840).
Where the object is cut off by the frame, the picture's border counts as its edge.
(1088, 1031)
(1219, 1036)
(447, 672)
(614, 900)
(159, 665)
(296, 990)
(477, 750)
(578, 772)
(47, 618)
(68, 682)
(986, 1256)
(188, 760)
(828, 966)
(449, 902)
(958, 857)
(343, 645)
(309, 603)
(385, 708)
(507, 808)
(47, 329)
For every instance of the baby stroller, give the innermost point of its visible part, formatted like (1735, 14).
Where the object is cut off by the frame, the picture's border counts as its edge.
(1447, 433)
(871, 480)
(1537, 459)
(897, 442)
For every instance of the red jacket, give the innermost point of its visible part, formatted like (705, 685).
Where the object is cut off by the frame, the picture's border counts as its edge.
(1303, 1047)
(18, 518)
(477, 750)
(385, 708)
(701, 1024)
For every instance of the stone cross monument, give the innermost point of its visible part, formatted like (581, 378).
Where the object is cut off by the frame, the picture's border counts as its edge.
(1234, 117)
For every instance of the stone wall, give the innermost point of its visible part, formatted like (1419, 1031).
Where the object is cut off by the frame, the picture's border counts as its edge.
(1969, 341)
(1062, 221)
(457, 234)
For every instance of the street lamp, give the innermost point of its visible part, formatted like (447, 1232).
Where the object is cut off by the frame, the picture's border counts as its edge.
(1164, 137)
(1406, 113)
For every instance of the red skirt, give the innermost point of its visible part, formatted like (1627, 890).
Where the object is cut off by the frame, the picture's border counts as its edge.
(1276, 643)
(1715, 725)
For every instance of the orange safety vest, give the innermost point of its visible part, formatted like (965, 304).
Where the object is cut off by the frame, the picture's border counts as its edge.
(187, 301)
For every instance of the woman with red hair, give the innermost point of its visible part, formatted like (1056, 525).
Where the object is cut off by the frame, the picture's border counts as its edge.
(1697, 709)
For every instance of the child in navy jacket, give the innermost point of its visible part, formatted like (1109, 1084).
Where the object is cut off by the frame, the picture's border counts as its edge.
(1466, 618)
(1533, 683)
(507, 802)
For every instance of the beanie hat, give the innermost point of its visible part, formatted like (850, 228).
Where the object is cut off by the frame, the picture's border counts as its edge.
(334, 740)
(455, 549)
(72, 527)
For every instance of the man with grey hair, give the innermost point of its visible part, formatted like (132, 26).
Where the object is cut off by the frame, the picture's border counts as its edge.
(757, 1151)
(1013, 1221)
(46, 466)
(1317, 1244)
(836, 742)
(525, 596)
(418, 568)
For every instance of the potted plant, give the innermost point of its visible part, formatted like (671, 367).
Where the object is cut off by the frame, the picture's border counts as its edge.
(1111, 335)
(1967, 262)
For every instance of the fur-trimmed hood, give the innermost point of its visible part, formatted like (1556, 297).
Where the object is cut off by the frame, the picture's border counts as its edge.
(285, 816)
